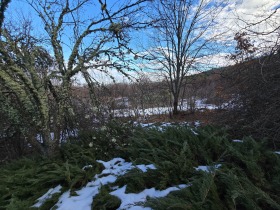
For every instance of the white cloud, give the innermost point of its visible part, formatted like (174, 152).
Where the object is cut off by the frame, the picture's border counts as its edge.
(234, 18)
(240, 16)
(246, 12)
(256, 4)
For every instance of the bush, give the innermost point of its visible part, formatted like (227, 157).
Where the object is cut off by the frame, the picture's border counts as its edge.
(107, 141)
(105, 201)
(35, 176)
(25, 180)
(255, 85)
(247, 178)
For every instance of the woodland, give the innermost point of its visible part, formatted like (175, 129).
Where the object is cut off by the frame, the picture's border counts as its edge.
(139, 104)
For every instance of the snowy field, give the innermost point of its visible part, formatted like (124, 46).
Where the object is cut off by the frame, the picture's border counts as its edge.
(199, 104)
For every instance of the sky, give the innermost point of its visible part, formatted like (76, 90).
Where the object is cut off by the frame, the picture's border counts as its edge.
(229, 22)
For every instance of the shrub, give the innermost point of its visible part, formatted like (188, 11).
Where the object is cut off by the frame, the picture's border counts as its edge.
(247, 178)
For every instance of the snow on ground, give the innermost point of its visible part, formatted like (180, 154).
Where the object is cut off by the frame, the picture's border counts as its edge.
(197, 124)
(63, 135)
(113, 168)
(208, 168)
(164, 124)
(47, 196)
(195, 133)
(144, 124)
(83, 198)
(199, 104)
(141, 112)
(237, 140)
(153, 125)
(129, 199)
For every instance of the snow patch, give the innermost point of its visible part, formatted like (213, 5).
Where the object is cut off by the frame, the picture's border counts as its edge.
(143, 125)
(207, 168)
(113, 168)
(195, 133)
(197, 124)
(130, 199)
(144, 168)
(87, 167)
(47, 196)
(83, 200)
(237, 140)
(199, 104)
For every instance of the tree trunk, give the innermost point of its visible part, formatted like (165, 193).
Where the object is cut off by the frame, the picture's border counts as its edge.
(52, 148)
(175, 106)
(50, 143)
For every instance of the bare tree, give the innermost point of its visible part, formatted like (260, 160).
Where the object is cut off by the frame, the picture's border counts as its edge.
(97, 41)
(183, 36)
(80, 41)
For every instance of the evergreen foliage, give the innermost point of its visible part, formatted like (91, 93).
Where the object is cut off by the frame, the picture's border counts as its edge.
(176, 150)
(137, 181)
(107, 141)
(248, 176)
(105, 201)
(23, 181)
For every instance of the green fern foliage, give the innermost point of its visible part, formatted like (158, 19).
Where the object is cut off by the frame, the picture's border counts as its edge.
(235, 175)
(25, 180)
(105, 201)
(248, 176)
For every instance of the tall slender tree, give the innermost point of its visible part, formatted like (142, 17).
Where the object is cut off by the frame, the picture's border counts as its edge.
(184, 34)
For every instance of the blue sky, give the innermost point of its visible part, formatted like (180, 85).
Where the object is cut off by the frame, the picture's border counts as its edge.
(245, 9)
(20, 8)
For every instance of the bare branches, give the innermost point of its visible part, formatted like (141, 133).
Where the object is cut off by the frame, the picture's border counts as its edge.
(182, 35)
(262, 28)
(249, 25)
(106, 26)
